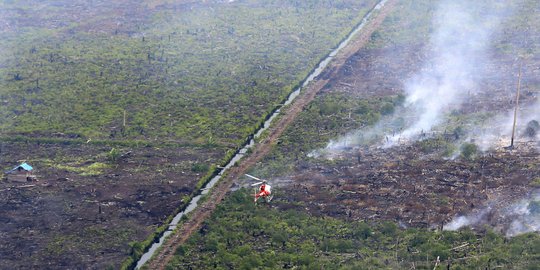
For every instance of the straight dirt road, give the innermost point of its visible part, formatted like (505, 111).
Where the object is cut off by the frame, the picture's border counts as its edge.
(196, 218)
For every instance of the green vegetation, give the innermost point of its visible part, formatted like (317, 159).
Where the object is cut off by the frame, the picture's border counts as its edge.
(166, 77)
(113, 155)
(536, 182)
(411, 26)
(93, 169)
(434, 144)
(160, 74)
(469, 150)
(241, 236)
(204, 77)
(198, 167)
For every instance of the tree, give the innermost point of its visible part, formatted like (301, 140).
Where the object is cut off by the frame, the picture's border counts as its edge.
(469, 150)
(362, 231)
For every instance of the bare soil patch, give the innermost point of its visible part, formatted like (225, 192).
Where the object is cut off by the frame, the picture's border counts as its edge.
(68, 219)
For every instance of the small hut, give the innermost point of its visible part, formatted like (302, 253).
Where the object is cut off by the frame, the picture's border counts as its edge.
(21, 173)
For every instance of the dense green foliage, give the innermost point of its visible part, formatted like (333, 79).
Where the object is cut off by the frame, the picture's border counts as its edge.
(241, 235)
(198, 74)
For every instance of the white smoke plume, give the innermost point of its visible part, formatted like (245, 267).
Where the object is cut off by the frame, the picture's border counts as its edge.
(458, 51)
(459, 48)
(497, 131)
(469, 220)
(526, 217)
(364, 137)
(512, 219)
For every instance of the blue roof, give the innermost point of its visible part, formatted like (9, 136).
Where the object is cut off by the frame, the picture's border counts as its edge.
(24, 166)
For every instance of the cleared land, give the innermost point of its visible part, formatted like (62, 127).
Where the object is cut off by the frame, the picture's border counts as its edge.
(124, 107)
(368, 206)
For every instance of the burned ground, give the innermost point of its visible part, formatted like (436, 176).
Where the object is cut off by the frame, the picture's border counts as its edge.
(414, 183)
(72, 212)
(423, 183)
(403, 185)
(419, 185)
(381, 72)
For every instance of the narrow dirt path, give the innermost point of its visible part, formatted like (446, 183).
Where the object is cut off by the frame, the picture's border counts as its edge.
(261, 149)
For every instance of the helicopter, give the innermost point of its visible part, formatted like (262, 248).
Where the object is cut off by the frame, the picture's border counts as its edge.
(264, 190)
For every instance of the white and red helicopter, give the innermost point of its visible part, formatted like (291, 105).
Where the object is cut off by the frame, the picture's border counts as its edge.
(264, 191)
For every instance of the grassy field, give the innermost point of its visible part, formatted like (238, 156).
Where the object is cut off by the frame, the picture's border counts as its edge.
(204, 74)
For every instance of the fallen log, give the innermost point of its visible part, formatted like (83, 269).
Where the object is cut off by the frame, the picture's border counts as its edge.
(460, 246)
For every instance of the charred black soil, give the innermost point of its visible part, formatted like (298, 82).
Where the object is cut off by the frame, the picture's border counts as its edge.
(413, 189)
(79, 214)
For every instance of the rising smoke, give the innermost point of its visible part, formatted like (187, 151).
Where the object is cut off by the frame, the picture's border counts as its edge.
(497, 130)
(512, 219)
(458, 51)
(459, 48)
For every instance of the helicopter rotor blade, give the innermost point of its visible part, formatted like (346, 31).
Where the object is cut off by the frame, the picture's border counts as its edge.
(253, 177)
(256, 184)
